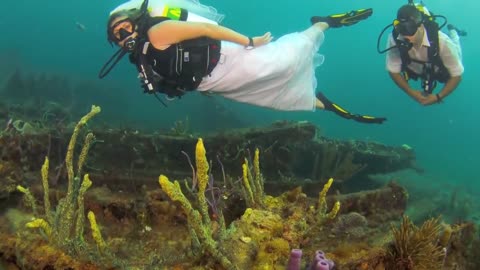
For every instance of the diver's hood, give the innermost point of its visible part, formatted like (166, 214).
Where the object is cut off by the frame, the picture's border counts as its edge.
(132, 4)
(157, 8)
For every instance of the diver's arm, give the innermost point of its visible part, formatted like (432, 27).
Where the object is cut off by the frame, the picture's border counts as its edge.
(171, 32)
(402, 84)
(449, 86)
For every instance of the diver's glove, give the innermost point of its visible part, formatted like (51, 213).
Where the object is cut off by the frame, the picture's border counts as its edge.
(345, 19)
(330, 106)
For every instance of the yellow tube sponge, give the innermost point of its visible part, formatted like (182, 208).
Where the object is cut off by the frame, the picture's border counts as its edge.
(96, 234)
(258, 175)
(83, 155)
(333, 213)
(202, 178)
(46, 190)
(174, 191)
(22, 189)
(40, 223)
(67, 208)
(202, 230)
(246, 183)
(71, 145)
(86, 184)
(202, 165)
(322, 203)
(251, 179)
(29, 199)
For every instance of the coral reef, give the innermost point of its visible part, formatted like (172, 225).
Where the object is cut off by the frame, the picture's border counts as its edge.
(199, 222)
(241, 214)
(416, 247)
(253, 189)
(64, 227)
(319, 262)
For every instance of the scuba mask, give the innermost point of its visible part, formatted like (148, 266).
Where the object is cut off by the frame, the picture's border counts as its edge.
(123, 34)
(130, 43)
(406, 27)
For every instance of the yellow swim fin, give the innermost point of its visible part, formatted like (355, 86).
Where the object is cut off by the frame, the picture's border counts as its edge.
(344, 19)
(338, 110)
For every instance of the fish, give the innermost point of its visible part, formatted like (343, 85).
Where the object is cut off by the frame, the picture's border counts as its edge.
(80, 26)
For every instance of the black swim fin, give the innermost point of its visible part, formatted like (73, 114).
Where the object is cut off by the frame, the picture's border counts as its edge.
(461, 33)
(345, 19)
(330, 106)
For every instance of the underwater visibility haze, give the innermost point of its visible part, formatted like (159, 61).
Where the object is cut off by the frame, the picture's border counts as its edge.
(97, 174)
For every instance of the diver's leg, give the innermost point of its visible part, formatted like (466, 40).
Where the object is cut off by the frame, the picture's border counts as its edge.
(319, 104)
(321, 24)
(315, 33)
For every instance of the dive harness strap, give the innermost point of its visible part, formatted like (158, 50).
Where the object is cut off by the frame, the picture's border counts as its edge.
(147, 76)
(433, 70)
(330, 106)
(193, 60)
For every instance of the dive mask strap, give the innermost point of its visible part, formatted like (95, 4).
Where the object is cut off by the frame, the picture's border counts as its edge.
(110, 64)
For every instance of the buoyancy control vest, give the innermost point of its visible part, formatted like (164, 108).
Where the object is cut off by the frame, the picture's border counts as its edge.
(180, 67)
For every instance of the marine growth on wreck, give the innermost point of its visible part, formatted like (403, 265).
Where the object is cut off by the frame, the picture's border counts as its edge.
(77, 194)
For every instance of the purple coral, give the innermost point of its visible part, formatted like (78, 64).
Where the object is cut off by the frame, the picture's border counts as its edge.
(319, 262)
(295, 259)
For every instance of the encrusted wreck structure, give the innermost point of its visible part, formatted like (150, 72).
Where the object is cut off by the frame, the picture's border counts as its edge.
(242, 199)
